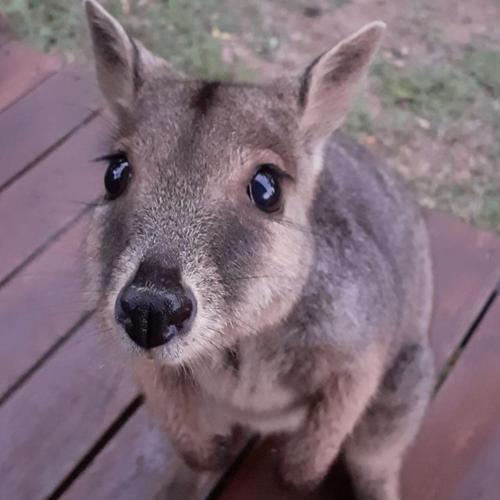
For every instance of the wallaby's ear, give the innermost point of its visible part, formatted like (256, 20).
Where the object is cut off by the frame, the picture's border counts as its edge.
(329, 84)
(116, 57)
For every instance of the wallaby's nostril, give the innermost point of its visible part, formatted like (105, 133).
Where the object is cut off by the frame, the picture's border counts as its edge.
(153, 317)
(180, 307)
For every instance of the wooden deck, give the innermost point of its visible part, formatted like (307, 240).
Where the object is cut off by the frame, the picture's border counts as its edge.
(72, 424)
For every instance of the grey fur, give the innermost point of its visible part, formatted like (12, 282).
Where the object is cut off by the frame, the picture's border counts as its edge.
(312, 323)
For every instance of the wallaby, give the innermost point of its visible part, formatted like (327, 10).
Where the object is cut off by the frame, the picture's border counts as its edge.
(263, 275)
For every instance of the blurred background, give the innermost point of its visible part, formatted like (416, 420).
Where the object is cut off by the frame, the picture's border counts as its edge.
(431, 106)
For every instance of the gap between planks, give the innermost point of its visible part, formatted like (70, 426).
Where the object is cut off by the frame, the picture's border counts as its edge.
(25, 69)
(460, 348)
(40, 249)
(47, 152)
(47, 214)
(97, 447)
(25, 377)
(44, 119)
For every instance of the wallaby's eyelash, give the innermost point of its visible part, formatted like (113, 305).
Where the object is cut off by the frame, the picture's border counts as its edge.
(279, 172)
(285, 175)
(110, 157)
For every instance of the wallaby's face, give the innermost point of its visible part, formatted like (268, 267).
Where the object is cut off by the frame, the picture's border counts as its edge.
(211, 208)
(203, 236)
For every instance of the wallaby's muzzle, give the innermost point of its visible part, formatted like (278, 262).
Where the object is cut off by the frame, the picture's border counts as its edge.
(155, 307)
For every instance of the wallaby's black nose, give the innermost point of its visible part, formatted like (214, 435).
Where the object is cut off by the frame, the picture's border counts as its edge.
(153, 315)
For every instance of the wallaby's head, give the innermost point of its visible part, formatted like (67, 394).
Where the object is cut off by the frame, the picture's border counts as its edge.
(203, 235)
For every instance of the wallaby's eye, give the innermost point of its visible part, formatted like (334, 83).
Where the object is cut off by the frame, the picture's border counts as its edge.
(264, 189)
(117, 175)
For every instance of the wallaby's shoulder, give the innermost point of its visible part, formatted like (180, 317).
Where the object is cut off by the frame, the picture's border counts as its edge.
(360, 191)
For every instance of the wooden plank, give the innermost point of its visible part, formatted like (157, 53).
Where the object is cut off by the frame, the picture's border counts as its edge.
(481, 481)
(466, 271)
(48, 425)
(43, 117)
(132, 466)
(46, 199)
(466, 268)
(41, 305)
(457, 455)
(21, 69)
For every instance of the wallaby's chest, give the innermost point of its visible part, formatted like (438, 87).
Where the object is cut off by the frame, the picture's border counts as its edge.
(251, 389)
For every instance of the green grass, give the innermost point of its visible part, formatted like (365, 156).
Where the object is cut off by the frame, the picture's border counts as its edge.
(444, 92)
(439, 92)
(359, 121)
(483, 65)
(183, 31)
(51, 24)
(339, 3)
(453, 101)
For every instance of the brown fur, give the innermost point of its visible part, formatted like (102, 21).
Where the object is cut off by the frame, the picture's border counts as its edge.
(312, 322)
